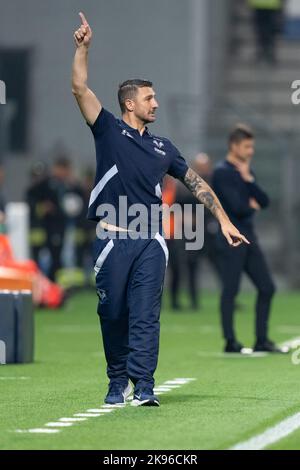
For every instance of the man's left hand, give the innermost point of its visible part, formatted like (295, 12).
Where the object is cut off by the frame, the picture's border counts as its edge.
(232, 234)
(245, 172)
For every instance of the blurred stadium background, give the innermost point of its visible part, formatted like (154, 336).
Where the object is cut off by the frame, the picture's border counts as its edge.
(201, 57)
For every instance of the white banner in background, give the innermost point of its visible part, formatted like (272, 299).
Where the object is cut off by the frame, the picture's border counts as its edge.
(292, 8)
(17, 221)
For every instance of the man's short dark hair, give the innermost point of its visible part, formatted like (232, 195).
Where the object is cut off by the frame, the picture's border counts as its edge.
(128, 90)
(239, 133)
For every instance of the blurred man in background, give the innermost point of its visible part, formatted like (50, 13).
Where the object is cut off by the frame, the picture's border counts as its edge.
(266, 17)
(78, 231)
(55, 219)
(58, 222)
(186, 263)
(85, 229)
(236, 187)
(46, 198)
(33, 197)
(194, 259)
(175, 245)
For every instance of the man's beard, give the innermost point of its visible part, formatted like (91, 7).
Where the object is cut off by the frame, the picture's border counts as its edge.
(242, 159)
(146, 120)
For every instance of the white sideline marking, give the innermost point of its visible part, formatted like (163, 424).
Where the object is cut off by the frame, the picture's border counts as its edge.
(39, 430)
(175, 382)
(58, 424)
(104, 410)
(187, 380)
(71, 420)
(118, 405)
(14, 378)
(271, 435)
(224, 355)
(162, 389)
(280, 430)
(293, 343)
(167, 386)
(173, 386)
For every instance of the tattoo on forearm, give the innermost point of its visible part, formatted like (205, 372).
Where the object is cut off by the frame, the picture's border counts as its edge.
(201, 191)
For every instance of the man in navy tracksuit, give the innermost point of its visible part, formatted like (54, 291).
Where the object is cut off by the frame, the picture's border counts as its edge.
(236, 186)
(131, 164)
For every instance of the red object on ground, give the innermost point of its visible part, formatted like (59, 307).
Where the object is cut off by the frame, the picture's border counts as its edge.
(26, 273)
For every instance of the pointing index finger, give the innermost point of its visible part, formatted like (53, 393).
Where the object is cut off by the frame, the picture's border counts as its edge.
(245, 240)
(83, 19)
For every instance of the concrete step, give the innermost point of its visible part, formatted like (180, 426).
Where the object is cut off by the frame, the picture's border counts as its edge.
(254, 74)
(245, 60)
(287, 52)
(267, 97)
(262, 117)
(242, 9)
(243, 15)
(283, 123)
(258, 87)
(257, 94)
(242, 30)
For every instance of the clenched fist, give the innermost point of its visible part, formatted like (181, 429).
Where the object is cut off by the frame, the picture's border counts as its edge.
(83, 35)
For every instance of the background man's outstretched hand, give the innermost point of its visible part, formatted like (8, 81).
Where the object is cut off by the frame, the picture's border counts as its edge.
(83, 35)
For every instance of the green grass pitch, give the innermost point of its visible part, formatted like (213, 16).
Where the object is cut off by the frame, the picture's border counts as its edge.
(233, 398)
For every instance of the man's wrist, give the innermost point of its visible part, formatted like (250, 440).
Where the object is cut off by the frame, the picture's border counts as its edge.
(83, 48)
(250, 179)
(223, 219)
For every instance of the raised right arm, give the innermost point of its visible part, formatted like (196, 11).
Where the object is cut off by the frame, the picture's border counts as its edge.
(88, 102)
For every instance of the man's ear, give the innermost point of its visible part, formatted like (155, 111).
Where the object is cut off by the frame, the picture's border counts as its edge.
(129, 105)
(233, 147)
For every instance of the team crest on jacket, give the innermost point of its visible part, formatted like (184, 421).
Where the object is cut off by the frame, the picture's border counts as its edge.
(158, 146)
(102, 295)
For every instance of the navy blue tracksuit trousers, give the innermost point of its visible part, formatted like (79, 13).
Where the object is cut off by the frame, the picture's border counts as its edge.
(129, 280)
(249, 259)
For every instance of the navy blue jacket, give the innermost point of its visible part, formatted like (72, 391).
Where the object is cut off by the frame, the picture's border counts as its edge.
(132, 166)
(234, 194)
